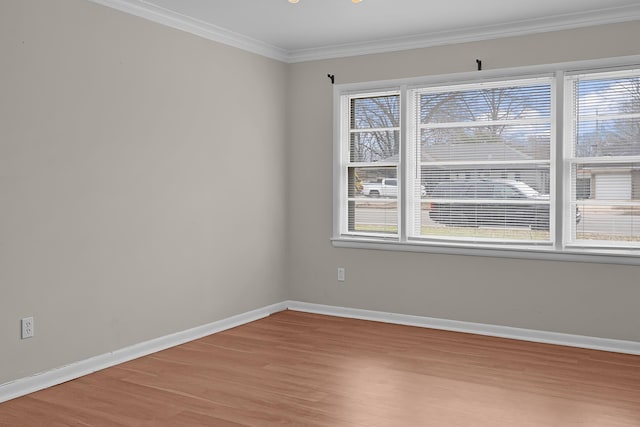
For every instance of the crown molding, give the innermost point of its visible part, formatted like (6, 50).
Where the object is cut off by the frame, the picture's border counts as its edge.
(194, 26)
(144, 9)
(519, 28)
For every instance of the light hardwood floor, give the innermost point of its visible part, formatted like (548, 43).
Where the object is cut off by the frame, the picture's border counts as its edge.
(303, 369)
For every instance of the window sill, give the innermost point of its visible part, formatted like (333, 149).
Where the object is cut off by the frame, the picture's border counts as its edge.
(542, 253)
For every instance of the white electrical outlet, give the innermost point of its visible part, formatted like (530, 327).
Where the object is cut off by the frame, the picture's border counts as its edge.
(340, 274)
(27, 327)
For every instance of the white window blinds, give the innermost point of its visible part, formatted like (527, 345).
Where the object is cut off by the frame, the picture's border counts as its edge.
(603, 111)
(371, 165)
(480, 162)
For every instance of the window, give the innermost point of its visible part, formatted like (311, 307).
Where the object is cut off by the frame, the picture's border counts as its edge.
(492, 140)
(371, 170)
(603, 142)
(548, 163)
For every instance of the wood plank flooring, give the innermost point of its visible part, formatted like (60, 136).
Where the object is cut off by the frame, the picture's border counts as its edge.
(302, 369)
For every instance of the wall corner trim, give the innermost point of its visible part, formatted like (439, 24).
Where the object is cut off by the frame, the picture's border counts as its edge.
(46, 379)
(557, 338)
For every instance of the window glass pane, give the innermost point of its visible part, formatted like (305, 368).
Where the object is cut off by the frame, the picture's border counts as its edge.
(376, 216)
(494, 104)
(487, 204)
(603, 96)
(608, 199)
(608, 137)
(376, 112)
(483, 160)
(372, 205)
(536, 179)
(608, 116)
(375, 146)
(607, 224)
(486, 143)
(605, 189)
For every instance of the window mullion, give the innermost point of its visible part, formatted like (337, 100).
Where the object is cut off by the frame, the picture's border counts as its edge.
(561, 178)
(340, 128)
(403, 168)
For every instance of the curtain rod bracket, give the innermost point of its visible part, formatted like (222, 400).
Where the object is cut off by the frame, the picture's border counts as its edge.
(479, 64)
(332, 77)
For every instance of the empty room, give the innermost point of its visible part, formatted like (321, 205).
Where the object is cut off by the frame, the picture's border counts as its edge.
(319, 213)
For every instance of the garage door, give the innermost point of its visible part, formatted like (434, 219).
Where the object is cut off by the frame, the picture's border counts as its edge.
(613, 187)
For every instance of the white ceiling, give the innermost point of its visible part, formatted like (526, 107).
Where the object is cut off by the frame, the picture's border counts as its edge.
(315, 29)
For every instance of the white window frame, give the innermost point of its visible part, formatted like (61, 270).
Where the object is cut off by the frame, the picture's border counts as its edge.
(496, 83)
(345, 163)
(573, 160)
(560, 170)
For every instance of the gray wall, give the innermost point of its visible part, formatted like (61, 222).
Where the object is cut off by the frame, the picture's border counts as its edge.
(129, 156)
(589, 299)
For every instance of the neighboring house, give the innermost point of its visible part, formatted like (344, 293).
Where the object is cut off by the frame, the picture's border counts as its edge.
(604, 182)
(484, 153)
(592, 182)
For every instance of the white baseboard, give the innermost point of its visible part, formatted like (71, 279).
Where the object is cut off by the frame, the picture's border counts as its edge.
(604, 344)
(69, 372)
(74, 370)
